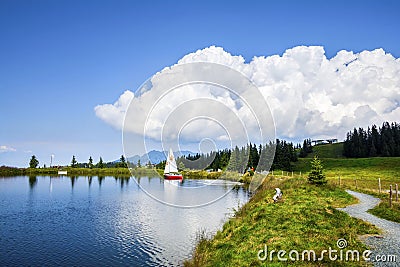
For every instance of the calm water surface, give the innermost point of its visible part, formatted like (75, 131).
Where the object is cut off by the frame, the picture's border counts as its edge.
(106, 221)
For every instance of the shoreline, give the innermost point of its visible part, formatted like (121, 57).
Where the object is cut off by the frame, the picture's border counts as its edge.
(9, 172)
(189, 174)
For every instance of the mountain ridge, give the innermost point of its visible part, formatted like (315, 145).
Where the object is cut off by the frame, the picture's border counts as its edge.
(156, 156)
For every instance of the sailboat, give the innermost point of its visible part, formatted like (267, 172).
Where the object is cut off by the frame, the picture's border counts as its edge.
(171, 171)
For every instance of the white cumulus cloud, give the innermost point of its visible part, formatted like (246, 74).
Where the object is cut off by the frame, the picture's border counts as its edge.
(114, 114)
(308, 94)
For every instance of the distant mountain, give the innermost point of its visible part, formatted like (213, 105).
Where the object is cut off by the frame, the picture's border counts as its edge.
(156, 157)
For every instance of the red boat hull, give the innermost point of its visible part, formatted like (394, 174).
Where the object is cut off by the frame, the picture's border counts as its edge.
(173, 176)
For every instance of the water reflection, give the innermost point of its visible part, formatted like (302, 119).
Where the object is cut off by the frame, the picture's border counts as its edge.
(32, 182)
(122, 180)
(105, 225)
(73, 179)
(100, 179)
(187, 193)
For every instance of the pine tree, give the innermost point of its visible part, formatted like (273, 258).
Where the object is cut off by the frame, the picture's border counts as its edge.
(375, 139)
(33, 163)
(372, 151)
(384, 141)
(100, 164)
(256, 156)
(90, 164)
(74, 163)
(385, 149)
(316, 176)
(233, 164)
(243, 159)
(303, 150)
(122, 163)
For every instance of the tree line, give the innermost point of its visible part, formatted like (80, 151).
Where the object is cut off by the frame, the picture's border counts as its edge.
(122, 163)
(306, 148)
(239, 159)
(373, 142)
(242, 159)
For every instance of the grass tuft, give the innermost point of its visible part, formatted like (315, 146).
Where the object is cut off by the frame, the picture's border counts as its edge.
(384, 211)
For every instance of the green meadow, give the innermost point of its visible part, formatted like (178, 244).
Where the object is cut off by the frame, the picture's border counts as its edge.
(360, 174)
(363, 172)
(306, 218)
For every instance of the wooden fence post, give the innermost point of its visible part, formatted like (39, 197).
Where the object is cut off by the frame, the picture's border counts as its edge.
(292, 174)
(397, 193)
(390, 196)
(355, 181)
(379, 185)
(300, 174)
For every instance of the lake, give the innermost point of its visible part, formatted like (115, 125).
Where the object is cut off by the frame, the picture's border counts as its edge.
(107, 221)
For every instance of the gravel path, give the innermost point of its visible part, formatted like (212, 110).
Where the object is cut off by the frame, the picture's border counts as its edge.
(382, 246)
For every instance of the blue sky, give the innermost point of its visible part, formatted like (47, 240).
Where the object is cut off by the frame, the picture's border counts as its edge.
(59, 59)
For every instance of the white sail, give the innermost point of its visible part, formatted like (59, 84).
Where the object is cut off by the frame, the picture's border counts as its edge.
(170, 165)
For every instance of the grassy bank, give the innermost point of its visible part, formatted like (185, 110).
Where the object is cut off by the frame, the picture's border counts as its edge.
(305, 219)
(226, 175)
(10, 171)
(201, 174)
(190, 174)
(7, 171)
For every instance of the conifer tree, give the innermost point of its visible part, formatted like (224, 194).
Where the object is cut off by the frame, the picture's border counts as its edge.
(100, 164)
(90, 164)
(316, 176)
(33, 163)
(74, 163)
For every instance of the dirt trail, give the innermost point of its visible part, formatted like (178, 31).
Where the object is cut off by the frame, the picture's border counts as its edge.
(385, 245)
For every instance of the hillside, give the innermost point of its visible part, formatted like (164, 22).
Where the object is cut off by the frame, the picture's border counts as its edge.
(371, 167)
(367, 170)
(327, 151)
